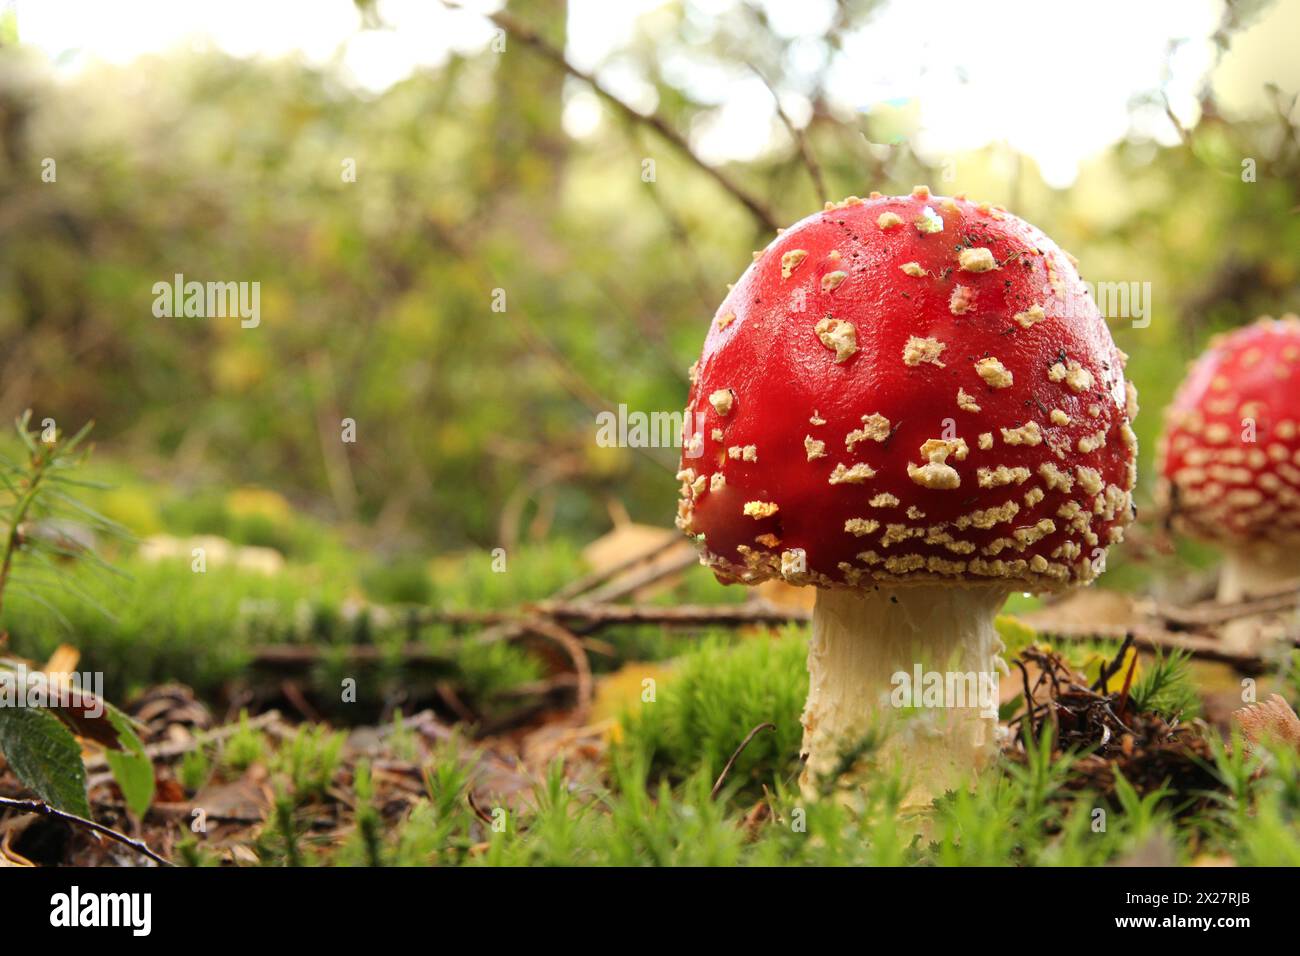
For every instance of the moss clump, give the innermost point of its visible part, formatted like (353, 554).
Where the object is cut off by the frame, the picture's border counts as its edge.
(715, 697)
(161, 621)
(245, 747)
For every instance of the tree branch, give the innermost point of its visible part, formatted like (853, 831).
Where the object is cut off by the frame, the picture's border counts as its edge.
(1211, 613)
(801, 141)
(40, 808)
(532, 39)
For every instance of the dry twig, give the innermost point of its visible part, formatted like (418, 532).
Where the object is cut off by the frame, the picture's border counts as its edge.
(41, 808)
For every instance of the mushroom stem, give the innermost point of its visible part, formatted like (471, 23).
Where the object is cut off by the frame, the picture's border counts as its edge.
(867, 652)
(1249, 573)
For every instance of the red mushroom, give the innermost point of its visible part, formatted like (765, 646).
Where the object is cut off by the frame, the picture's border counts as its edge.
(910, 403)
(1230, 460)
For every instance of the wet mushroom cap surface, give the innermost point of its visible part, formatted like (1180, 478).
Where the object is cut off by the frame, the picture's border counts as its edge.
(1230, 453)
(909, 389)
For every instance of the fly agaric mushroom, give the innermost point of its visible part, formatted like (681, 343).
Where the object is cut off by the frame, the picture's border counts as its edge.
(924, 413)
(1230, 460)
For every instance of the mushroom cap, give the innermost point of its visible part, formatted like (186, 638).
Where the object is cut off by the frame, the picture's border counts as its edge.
(1230, 452)
(909, 389)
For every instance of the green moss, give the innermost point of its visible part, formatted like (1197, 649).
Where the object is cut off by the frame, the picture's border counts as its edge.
(638, 822)
(717, 695)
(250, 517)
(400, 580)
(162, 621)
(478, 580)
(245, 747)
(194, 770)
(309, 761)
(655, 806)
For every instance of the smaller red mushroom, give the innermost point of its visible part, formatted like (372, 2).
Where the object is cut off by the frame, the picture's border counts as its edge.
(1230, 460)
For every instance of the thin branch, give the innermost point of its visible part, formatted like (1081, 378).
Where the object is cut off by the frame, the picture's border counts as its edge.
(1128, 685)
(722, 777)
(600, 598)
(40, 808)
(1284, 111)
(801, 141)
(531, 38)
(582, 667)
(683, 615)
(1210, 613)
(1145, 636)
(617, 590)
(1029, 697)
(1110, 670)
(597, 578)
(1177, 124)
(1150, 639)
(478, 811)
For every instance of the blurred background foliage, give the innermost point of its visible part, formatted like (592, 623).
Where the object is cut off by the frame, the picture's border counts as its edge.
(475, 428)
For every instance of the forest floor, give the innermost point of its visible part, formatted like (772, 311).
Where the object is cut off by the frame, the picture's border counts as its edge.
(572, 760)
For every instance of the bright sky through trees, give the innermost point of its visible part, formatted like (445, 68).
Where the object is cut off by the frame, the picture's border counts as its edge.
(1054, 81)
